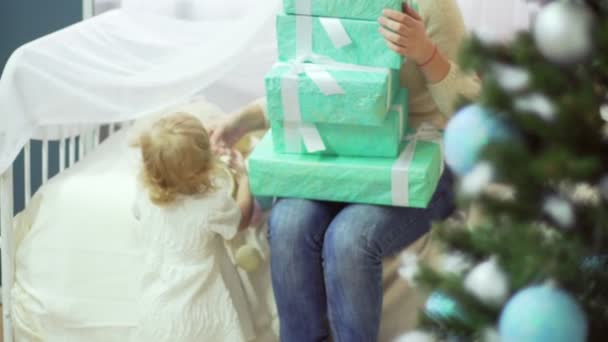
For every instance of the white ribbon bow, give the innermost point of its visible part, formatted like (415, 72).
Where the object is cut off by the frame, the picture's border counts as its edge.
(400, 170)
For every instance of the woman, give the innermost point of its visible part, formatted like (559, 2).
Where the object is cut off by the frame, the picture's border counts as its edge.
(327, 257)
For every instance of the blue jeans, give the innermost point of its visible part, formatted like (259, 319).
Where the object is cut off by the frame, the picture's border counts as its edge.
(326, 262)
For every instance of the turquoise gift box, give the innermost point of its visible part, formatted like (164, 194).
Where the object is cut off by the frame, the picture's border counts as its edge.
(366, 100)
(355, 9)
(297, 34)
(401, 181)
(350, 140)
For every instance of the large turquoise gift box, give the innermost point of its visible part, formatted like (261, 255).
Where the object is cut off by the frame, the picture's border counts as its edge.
(343, 40)
(354, 9)
(348, 139)
(406, 181)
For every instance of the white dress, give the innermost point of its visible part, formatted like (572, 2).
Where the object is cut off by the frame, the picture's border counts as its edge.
(187, 290)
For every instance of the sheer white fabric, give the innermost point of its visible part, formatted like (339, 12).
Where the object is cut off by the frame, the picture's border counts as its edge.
(127, 63)
(496, 20)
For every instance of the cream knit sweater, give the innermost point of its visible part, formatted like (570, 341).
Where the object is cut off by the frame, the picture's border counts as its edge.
(434, 103)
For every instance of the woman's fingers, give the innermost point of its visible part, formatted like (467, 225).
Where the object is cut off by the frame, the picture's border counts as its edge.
(403, 18)
(397, 48)
(393, 25)
(393, 37)
(394, 15)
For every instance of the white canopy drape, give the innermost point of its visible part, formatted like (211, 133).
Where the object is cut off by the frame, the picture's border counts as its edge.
(147, 55)
(496, 20)
(121, 65)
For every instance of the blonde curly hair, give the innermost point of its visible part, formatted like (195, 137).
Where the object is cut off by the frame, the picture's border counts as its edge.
(177, 158)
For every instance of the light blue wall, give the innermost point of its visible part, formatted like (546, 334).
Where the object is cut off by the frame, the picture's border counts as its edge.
(20, 22)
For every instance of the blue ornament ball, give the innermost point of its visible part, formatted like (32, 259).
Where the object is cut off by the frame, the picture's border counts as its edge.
(440, 307)
(542, 314)
(467, 133)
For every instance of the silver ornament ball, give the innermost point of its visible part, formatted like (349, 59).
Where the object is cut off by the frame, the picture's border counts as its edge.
(563, 32)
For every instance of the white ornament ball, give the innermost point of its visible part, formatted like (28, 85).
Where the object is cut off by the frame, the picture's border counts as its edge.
(488, 282)
(560, 210)
(563, 32)
(604, 112)
(416, 336)
(511, 78)
(538, 104)
(456, 263)
(478, 179)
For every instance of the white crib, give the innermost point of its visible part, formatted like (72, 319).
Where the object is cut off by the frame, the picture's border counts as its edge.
(86, 143)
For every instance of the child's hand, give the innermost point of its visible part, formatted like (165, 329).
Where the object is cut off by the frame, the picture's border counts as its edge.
(237, 163)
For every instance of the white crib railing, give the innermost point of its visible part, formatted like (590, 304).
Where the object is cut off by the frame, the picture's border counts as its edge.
(86, 142)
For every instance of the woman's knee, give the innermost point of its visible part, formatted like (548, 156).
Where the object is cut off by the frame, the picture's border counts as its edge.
(347, 244)
(351, 265)
(294, 220)
(368, 233)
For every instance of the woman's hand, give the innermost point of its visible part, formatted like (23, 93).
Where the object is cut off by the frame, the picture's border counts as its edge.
(228, 130)
(405, 34)
(223, 134)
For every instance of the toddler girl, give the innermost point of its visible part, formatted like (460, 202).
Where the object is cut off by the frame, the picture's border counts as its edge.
(185, 295)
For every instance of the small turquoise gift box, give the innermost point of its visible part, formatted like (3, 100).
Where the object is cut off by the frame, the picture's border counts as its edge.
(344, 40)
(406, 181)
(348, 139)
(332, 93)
(354, 9)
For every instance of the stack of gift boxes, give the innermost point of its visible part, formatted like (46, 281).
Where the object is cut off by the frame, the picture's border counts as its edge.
(338, 114)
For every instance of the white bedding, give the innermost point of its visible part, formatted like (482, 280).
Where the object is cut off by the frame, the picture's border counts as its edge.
(76, 258)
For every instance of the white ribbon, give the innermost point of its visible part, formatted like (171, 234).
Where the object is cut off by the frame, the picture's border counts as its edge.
(304, 7)
(318, 73)
(336, 32)
(304, 22)
(400, 170)
(303, 35)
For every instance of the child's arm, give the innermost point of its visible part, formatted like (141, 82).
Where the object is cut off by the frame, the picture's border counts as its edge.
(244, 200)
(243, 196)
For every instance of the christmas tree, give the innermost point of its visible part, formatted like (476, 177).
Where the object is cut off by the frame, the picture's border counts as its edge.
(535, 269)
